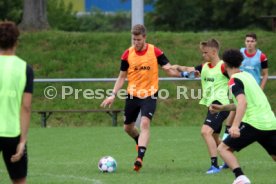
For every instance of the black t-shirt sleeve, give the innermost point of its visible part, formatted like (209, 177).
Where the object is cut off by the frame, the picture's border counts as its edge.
(237, 87)
(162, 60)
(30, 80)
(198, 68)
(124, 65)
(264, 64)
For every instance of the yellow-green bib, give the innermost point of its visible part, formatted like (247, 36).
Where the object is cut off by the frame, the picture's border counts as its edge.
(12, 84)
(214, 85)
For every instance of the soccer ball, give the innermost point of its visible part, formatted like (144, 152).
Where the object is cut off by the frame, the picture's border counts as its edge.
(107, 164)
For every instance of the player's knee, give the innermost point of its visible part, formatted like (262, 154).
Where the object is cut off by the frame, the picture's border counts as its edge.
(145, 125)
(205, 133)
(127, 128)
(223, 148)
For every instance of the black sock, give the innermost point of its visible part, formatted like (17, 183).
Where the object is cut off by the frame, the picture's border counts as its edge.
(141, 151)
(227, 127)
(136, 139)
(214, 161)
(238, 172)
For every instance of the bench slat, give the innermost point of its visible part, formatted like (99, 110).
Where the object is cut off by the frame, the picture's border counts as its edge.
(45, 114)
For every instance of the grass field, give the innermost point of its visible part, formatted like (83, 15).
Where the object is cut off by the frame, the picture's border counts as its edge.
(176, 155)
(67, 152)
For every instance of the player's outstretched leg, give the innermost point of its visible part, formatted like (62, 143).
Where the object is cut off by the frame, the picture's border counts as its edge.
(225, 135)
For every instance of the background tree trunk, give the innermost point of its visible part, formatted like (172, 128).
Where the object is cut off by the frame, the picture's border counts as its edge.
(34, 15)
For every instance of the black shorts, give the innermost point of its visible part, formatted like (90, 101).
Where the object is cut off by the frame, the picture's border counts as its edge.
(134, 105)
(249, 134)
(16, 170)
(215, 120)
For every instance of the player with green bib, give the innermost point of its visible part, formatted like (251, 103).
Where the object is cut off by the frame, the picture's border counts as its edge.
(215, 91)
(254, 120)
(16, 87)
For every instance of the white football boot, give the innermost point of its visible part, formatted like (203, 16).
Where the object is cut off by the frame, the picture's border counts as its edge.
(242, 179)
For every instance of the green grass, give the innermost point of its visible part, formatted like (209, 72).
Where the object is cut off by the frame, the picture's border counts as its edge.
(176, 155)
(72, 54)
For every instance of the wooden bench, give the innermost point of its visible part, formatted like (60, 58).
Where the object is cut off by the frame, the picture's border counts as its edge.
(45, 114)
(273, 18)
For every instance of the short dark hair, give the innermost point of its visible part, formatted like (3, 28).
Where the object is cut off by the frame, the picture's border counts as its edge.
(252, 35)
(213, 43)
(9, 34)
(139, 29)
(233, 58)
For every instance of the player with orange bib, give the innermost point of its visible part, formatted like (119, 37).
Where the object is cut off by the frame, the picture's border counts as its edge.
(139, 64)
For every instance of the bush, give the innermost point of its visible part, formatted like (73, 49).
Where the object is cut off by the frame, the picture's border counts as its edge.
(100, 21)
(61, 17)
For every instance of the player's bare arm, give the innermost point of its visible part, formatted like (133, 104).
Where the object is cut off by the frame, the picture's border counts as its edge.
(264, 77)
(183, 68)
(240, 111)
(230, 118)
(170, 71)
(215, 108)
(118, 85)
(24, 126)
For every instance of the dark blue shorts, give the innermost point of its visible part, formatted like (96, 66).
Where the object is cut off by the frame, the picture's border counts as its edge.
(16, 170)
(249, 134)
(215, 120)
(134, 105)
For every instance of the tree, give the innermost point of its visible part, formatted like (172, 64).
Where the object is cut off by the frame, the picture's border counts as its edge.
(11, 10)
(177, 15)
(197, 15)
(34, 15)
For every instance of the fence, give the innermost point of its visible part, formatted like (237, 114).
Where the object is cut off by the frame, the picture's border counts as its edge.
(45, 113)
(114, 79)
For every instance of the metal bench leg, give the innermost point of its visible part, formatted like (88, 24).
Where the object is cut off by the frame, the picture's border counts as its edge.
(113, 116)
(114, 119)
(43, 119)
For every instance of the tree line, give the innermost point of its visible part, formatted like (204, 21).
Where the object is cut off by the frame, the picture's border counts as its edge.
(176, 15)
(200, 15)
